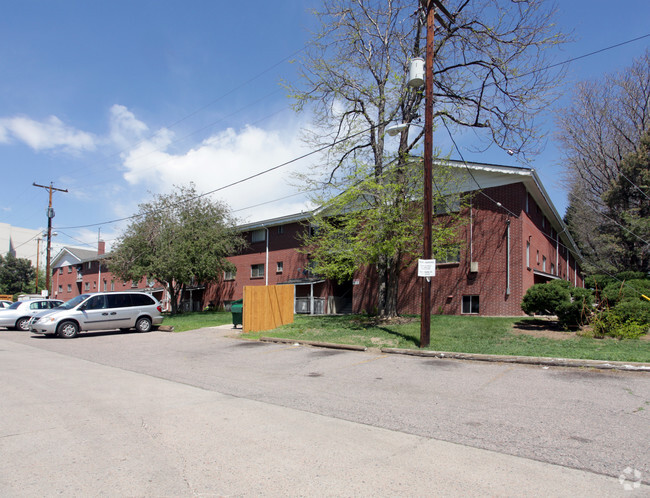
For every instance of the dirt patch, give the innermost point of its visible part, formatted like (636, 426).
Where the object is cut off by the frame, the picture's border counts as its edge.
(545, 328)
(376, 321)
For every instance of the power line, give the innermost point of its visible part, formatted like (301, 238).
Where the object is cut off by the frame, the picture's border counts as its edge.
(237, 182)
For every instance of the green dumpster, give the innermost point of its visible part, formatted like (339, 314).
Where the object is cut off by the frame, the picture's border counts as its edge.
(237, 308)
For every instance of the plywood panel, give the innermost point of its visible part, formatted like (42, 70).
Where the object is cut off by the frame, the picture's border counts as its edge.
(267, 307)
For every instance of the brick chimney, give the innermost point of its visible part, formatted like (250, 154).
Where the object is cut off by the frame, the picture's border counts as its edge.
(101, 247)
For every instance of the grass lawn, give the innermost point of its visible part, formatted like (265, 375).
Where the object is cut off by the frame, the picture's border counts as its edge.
(192, 321)
(461, 334)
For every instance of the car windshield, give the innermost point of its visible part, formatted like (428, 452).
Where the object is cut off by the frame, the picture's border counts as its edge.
(68, 305)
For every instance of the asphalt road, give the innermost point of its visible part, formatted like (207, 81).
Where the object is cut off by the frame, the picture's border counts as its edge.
(199, 413)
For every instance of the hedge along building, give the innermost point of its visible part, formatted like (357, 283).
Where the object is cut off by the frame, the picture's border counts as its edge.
(512, 238)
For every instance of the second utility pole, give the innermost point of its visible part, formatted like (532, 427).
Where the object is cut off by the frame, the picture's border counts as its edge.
(50, 215)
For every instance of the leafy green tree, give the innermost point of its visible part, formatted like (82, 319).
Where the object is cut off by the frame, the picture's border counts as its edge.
(489, 75)
(16, 275)
(375, 222)
(176, 239)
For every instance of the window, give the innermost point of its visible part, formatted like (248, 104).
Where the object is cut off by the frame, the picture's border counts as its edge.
(280, 267)
(537, 257)
(470, 305)
(257, 271)
(69, 287)
(258, 235)
(97, 302)
(119, 300)
(552, 269)
(60, 289)
(104, 285)
(112, 285)
(543, 263)
(447, 204)
(528, 254)
(90, 264)
(280, 229)
(69, 269)
(94, 284)
(230, 274)
(87, 286)
(448, 254)
(134, 284)
(61, 270)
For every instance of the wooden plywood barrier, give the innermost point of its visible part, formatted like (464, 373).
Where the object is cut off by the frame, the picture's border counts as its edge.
(267, 307)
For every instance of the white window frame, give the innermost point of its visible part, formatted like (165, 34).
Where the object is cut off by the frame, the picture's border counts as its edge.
(258, 235)
(279, 267)
(257, 271)
(471, 298)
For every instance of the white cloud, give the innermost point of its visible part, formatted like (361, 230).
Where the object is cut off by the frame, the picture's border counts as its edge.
(51, 133)
(224, 158)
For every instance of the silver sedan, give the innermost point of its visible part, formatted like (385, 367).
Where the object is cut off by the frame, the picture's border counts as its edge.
(19, 313)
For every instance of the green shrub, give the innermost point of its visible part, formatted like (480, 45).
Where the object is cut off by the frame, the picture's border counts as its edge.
(610, 324)
(545, 298)
(630, 290)
(572, 314)
(634, 310)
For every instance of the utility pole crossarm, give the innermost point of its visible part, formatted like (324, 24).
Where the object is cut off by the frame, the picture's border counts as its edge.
(50, 214)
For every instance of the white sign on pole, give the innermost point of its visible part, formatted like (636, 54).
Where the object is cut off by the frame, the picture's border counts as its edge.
(426, 267)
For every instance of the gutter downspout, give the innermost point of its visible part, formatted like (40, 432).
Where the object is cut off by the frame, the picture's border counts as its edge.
(266, 265)
(508, 257)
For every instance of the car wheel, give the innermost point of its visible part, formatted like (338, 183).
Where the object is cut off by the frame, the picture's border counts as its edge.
(23, 324)
(143, 325)
(67, 330)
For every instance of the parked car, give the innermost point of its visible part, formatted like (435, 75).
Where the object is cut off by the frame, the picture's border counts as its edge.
(101, 311)
(17, 315)
(5, 304)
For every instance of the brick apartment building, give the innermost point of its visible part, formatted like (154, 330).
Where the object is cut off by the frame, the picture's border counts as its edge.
(76, 271)
(512, 238)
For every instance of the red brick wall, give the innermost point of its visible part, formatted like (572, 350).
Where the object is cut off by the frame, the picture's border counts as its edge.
(485, 242)
(62, 277)
(282, 248)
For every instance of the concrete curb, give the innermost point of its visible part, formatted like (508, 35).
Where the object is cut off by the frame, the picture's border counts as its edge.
(314, 343)
(527, 360)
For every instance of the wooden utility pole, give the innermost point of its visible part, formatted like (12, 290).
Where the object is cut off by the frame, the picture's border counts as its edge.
(425, 310)
(431, 16)
(50, 215)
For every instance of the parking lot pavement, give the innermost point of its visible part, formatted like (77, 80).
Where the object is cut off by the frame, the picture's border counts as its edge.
(74, 427)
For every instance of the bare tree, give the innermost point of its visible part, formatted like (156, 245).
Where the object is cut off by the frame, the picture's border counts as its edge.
(490, 74)
(603, 126)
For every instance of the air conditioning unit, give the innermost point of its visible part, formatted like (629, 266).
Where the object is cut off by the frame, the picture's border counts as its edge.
(473, 267)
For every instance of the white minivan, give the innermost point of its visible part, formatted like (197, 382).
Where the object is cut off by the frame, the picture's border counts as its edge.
(100, 311)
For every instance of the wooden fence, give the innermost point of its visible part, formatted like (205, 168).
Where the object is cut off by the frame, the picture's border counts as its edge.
(267, 307)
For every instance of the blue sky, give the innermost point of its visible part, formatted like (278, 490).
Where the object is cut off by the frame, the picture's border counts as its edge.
(113, 100)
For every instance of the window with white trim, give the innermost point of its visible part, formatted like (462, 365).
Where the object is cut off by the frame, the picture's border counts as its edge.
(470, 305)
(527, 254)
(86, 286)
(69, 287)
(230, 274)
(258, 235)
(543, 263)
(257, 271)
(447, 254)
(279, 267)
(447, 204)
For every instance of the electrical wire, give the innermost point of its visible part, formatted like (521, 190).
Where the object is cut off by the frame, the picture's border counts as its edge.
(237, 182)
